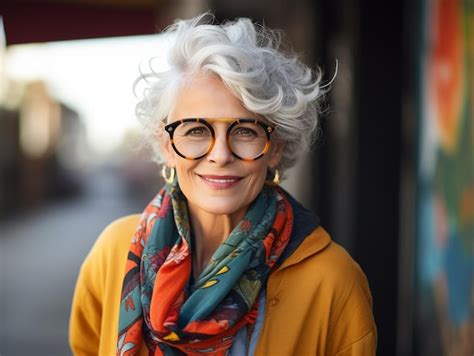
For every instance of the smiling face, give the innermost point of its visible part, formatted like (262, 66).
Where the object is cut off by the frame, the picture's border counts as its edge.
(218, 183)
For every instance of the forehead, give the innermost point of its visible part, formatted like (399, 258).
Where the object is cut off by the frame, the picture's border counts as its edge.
(206, 96)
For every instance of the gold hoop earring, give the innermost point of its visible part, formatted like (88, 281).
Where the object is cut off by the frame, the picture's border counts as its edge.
(168, 179)
(276, 178)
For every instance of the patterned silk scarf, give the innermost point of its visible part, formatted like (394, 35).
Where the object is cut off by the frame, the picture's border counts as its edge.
(177, 316)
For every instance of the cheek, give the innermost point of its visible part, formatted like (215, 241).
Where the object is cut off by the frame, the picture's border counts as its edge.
(259, 174)
(184, 171)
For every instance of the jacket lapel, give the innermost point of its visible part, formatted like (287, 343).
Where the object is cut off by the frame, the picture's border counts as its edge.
(312, 244)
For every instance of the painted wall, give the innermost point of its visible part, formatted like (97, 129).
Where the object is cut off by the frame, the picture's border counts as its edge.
(445, 233)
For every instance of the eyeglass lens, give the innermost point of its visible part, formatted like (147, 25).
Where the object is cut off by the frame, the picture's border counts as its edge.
(194, 139)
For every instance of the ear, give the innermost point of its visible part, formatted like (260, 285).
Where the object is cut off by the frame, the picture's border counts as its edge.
(276, 153)
(165, 147)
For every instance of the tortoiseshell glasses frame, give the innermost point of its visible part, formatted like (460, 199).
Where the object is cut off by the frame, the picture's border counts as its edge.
(268, 129)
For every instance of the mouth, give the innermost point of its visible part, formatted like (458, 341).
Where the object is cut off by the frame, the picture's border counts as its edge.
(220, 182)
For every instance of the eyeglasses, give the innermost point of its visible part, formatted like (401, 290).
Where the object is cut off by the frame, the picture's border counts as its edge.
(248, 139)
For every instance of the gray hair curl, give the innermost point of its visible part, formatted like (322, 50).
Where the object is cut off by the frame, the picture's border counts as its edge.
(250, 61)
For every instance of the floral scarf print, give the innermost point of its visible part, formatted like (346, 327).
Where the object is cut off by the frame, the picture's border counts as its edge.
(175, 315)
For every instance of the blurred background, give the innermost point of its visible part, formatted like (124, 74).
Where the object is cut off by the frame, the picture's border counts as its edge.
(391, 175)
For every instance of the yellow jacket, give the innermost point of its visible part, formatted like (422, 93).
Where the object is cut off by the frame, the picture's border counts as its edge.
(318, 301)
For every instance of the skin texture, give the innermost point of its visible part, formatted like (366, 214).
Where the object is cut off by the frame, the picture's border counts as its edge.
(214, 212)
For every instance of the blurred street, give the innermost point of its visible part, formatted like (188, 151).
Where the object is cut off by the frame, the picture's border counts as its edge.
(40, 255)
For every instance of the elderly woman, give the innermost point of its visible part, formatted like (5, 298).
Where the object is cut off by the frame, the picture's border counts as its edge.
(223, 261)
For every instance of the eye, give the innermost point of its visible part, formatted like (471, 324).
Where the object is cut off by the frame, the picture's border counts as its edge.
(197, 131)
(244, 132)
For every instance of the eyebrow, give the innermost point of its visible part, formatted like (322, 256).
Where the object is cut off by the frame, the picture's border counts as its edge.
(222, 119)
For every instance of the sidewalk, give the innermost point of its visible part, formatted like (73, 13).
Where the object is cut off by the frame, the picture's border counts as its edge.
(40, 255)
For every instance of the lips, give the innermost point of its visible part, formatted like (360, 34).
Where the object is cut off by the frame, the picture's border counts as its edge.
(220, 182)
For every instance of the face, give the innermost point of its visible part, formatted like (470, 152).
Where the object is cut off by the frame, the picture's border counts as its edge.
(218, 183)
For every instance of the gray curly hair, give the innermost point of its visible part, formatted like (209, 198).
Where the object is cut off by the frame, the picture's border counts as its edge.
(250, 61)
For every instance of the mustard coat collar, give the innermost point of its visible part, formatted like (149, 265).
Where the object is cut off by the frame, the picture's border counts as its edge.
(308, 237)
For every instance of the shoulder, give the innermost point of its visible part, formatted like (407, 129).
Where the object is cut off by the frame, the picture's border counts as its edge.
(115, 239)
(109, 252)
(328, 273)
(332, 261)
(118, 232)
(338, 278)
(329, 298)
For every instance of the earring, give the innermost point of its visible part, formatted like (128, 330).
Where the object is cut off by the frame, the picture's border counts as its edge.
(168, 179)
(276, 178)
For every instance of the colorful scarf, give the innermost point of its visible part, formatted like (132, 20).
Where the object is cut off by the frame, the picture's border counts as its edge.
(175, 315)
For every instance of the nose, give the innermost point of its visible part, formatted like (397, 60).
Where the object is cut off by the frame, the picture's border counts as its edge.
(220, 152)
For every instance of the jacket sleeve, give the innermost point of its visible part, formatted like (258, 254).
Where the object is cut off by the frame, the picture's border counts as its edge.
(94, 316)
(86, 315)
(366, 345)
(355, 332)
(87, 310)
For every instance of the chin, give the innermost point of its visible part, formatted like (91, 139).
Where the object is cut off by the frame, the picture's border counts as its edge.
(223, 208)
(220, 205)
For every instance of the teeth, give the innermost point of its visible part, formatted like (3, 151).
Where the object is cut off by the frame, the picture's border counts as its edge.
(220, 180)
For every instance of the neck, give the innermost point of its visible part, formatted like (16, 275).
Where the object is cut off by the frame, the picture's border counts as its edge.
(210, 231)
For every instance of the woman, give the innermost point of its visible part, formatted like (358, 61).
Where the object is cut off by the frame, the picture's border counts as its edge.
(223, 260)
